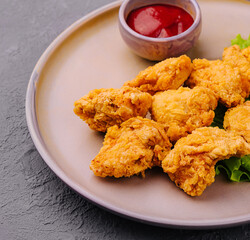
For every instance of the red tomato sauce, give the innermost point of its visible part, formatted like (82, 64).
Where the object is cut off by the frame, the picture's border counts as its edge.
(159, 20)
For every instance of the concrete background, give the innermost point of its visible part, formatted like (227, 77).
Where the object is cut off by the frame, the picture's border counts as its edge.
(34, 203)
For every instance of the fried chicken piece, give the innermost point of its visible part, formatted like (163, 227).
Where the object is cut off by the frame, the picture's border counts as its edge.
(237, 120)
(168, 74)
(138, 144)
(190, 164)
(224, 80)
(183, 110)
(103, 108)
(240, 59)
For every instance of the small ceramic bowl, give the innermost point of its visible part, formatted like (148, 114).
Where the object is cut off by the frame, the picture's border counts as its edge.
(157, 49)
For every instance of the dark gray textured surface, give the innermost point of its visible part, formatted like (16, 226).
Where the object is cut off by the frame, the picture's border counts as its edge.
(34, 203)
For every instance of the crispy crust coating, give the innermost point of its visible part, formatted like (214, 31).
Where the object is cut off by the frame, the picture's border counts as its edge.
(168, 74)
(224, 80)
(239, 59)
(246, 53)
(103, 108)
(137, 145)
(237, 120)
(183, 110)
(190, 164)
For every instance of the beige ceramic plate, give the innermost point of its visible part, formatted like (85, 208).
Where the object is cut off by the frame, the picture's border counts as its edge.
(91, 54)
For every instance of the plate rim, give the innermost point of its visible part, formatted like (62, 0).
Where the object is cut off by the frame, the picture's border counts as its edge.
(31, 119)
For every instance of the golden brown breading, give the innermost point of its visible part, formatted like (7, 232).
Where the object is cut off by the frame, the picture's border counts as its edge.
(137, 145)
(168, 74)
(190, 164)
(103, 108)
(246, 53)
(224, 80)
(183, 110)
(238, 58)
(238, 120)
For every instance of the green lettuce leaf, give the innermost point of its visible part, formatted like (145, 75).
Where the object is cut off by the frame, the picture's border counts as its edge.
(243, 43)
(219, 116)
(237, 169)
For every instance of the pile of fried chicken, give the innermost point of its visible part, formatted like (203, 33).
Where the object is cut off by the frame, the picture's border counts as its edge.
(181, 96)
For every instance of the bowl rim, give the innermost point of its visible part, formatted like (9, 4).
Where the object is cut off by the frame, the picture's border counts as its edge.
(124, 24)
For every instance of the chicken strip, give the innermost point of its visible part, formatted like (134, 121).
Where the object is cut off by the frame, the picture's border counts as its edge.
(190, 164)
(183, 110)
(224, 80)
(238, 120)
(168, 74)
(103, 108)
(240, 59)
(138, 144)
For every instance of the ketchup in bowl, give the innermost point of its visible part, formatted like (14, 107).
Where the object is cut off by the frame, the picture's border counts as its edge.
(159, 20)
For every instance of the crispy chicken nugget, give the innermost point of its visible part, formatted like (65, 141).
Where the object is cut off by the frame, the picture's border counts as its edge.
(237, 120)
(224, 80)
(138, 144)
(240, 59)
(168, 74)
(183, 110)
(103, 108)
(190, 164)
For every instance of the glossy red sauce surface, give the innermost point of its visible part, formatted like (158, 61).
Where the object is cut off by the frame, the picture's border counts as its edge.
(159, 20)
